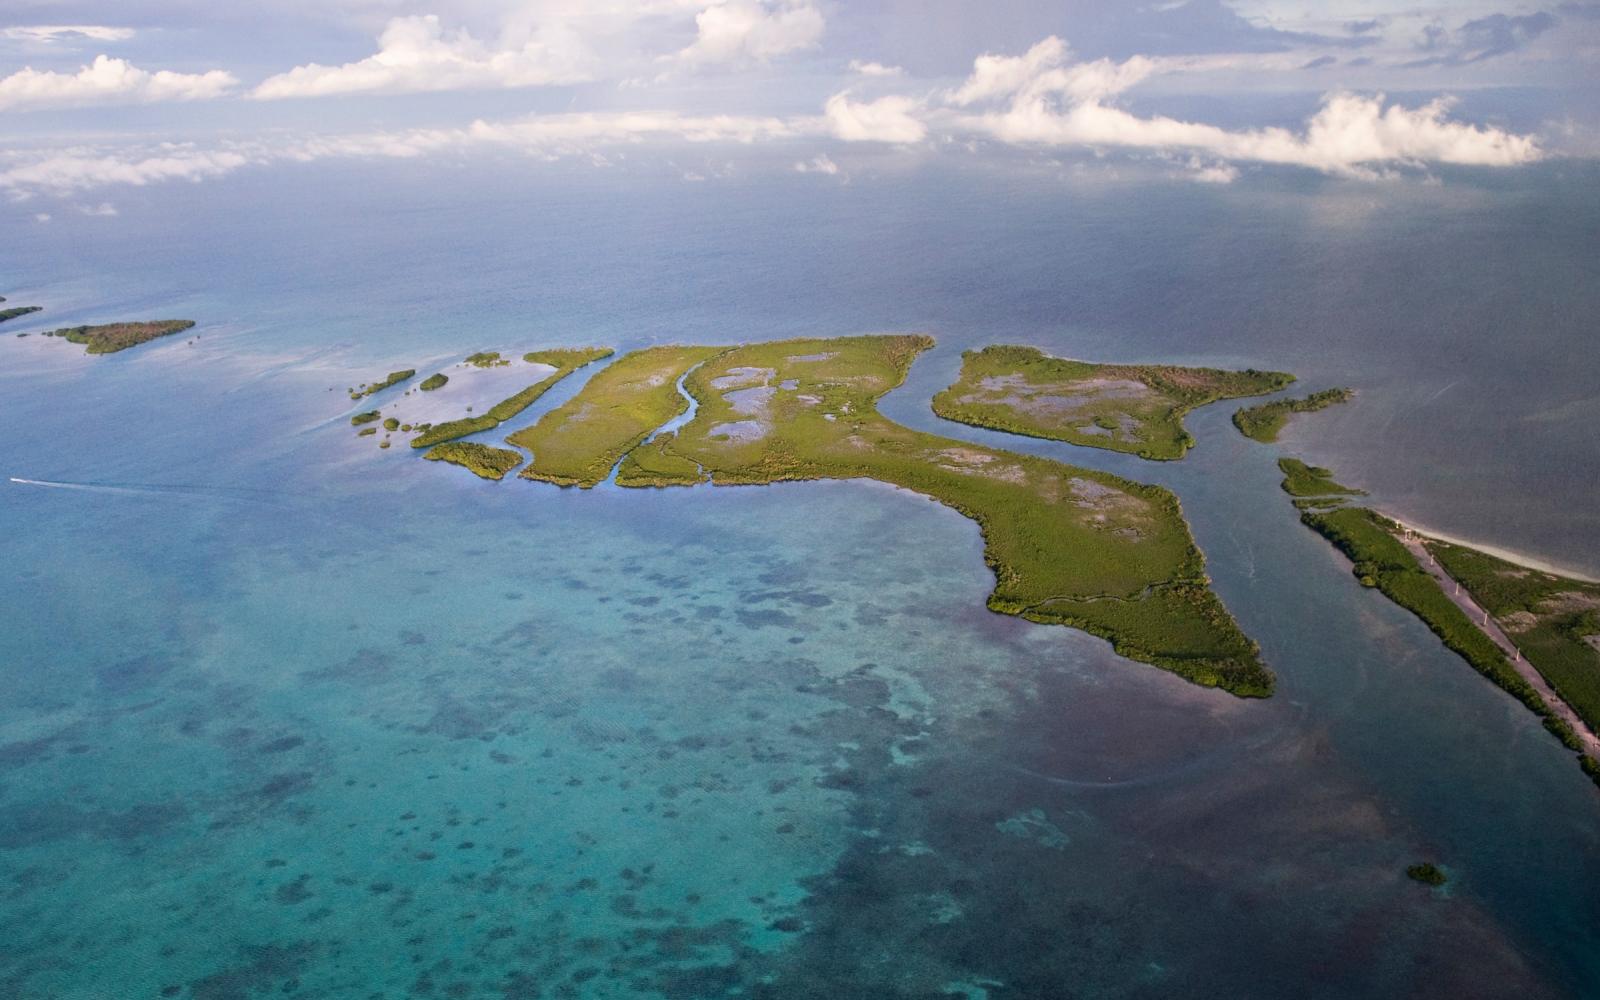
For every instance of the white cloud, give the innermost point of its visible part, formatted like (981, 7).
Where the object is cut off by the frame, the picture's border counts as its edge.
(417, 54)
(103, 210)
(107, 81)
(1044, 100)
(69, 172)
(572, 131)
(545, 137)
(874, 69)
(822, 164)
(41, 217)
(887, 119)
(1211, 173)
(997, 76)
(60, 32)
(737, 31)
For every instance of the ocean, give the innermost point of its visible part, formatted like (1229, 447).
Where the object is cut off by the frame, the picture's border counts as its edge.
(285, 714)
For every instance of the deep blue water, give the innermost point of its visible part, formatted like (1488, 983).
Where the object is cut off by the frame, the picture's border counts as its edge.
(288, 715)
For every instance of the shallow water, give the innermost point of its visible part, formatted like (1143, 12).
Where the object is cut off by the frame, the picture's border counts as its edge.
(286, 713)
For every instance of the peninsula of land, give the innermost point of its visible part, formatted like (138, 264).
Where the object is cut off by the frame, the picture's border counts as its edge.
(1532, 633)
(1068, 545)
(1265, 422)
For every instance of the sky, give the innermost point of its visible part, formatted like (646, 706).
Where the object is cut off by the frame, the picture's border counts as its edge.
(96, 96)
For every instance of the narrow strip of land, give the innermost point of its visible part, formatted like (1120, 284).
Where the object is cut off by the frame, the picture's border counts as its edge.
(1486, 623)
(564, 361)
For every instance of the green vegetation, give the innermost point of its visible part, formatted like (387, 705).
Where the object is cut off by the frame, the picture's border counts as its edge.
(366, 389)
(1302, 480)
(499, 413)
(112, 337)
(490, 463)
(452, 429)
(1553, 620)
(1380, 560)
(1315, 503)
(391, 424)
(366, 431)
(364, 418)
(1427, 873)
(578, 442)
(1262, 423)
(16, 311)
(487, 359)
(568, 357)
(434, 381)
(1129, 408)
(1068, 546)
(1549, 609)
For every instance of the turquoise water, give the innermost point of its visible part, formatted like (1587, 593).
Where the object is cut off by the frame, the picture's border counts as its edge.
(288, 715)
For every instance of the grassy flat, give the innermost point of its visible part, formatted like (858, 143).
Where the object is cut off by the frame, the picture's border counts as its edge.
(368, 388)
(112, 337)
(1302, 480)
(578, 442)
(16, 311)
(568, 361)
(482, 460)
(1263, 423)
(1137, 409)
(1067, 545)
(570, 358)
(1553, 620)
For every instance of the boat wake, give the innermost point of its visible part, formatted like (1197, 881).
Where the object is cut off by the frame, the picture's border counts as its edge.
(241, 493)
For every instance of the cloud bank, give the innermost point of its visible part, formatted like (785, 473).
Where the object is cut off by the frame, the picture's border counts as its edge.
(545, 137)
(71, 172)
(107, 81)
(887, 119)
(417, 54)
(1042, 98)
(63, 32)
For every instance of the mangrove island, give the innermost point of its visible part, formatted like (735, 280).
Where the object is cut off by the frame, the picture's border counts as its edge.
(16, 311)
(1136, 409)
(1264, 422)
(110, 338)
